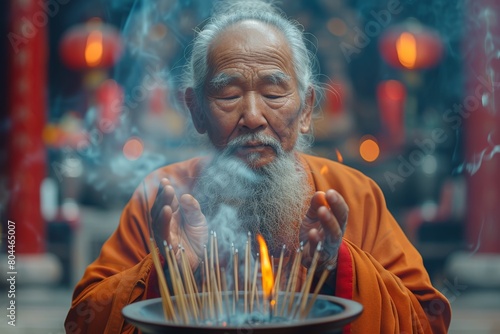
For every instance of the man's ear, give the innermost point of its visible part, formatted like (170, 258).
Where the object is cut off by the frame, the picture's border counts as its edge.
(196, 110)
(306, 114)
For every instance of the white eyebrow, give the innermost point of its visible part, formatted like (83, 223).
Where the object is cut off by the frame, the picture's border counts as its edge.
(277, 78)
(221, 80)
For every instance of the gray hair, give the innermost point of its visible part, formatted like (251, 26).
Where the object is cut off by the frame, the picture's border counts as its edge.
(230, 12)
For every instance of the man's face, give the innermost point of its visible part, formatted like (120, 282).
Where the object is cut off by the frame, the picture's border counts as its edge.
(252, 89)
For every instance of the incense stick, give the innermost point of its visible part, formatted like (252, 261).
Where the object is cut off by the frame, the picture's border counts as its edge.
(189, 286)
(277, 281)
(236, 289)
(246, 277)
(213, 303)
(217, 261)
(307, 286)
(207, 281)
(321, 281)
(177, 282)
(295, 275)
(168, 308)
(254, 284)
(226, 299)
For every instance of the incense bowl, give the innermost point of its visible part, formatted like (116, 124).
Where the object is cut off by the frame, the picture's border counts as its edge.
(328, 314)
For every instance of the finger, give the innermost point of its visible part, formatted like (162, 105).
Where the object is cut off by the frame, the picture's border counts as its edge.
(195, 224)
(162, 225)
(338, 207)
(158, 204)
(317, 201)
(330, 225)
(191, 211)
(314, 238)
(165, 196)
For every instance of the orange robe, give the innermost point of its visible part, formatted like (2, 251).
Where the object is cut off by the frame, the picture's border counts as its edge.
(377, 265)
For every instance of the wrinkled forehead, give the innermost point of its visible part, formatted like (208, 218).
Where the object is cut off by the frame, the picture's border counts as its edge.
(250, 42)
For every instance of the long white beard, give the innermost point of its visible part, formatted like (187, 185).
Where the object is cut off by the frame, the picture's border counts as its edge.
(271, 200)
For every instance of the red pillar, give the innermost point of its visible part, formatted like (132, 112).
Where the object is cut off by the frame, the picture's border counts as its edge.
(481, 115)
(27, 108)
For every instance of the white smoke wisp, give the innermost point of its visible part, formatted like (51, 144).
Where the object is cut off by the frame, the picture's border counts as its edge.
(486, 154)
(488, 18)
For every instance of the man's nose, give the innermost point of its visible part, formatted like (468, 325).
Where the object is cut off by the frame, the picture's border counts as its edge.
(252, 113)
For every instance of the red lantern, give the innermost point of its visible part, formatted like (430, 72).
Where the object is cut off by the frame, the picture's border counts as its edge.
(91, 45)
(411, 46)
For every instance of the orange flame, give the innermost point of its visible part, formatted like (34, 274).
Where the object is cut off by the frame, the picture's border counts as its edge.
(339, 156)
(266, 268)
(406, 47)
(94, 48)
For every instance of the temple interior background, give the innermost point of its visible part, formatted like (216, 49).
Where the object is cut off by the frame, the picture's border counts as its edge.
(90, 105)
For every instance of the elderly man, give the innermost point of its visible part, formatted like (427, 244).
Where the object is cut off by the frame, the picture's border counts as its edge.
(250, 88)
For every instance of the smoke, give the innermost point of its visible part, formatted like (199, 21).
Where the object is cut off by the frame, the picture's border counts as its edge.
(492, 52)
(485, 155)
(155, 35)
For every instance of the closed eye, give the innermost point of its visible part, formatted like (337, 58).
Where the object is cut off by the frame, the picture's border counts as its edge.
(228, 98)
(272, 97)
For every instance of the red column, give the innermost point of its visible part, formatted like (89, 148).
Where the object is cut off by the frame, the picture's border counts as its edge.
(481, 114)
(27, 108)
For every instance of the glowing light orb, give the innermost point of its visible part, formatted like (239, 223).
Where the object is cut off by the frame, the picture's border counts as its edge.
(369, 149)
(406, 47)
(133, 149)
(93, 49)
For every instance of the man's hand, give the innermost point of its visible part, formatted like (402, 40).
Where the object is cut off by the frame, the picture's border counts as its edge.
(325, 221)
(179, 222)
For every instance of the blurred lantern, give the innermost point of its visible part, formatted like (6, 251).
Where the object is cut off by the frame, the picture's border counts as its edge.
(109, 102)
(91, 45)
(391, 98)
(411, 46)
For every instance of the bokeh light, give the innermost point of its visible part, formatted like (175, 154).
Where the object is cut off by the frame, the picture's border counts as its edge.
(406, 47)
(369, 149)
(94, 48)
(340, 158)
(133, 148)
(336, 26)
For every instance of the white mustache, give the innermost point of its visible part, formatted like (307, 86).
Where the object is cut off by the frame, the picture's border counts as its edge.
(242, 140)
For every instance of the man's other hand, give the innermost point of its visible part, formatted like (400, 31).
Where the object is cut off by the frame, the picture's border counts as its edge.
(179, 222)
(325, 221)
